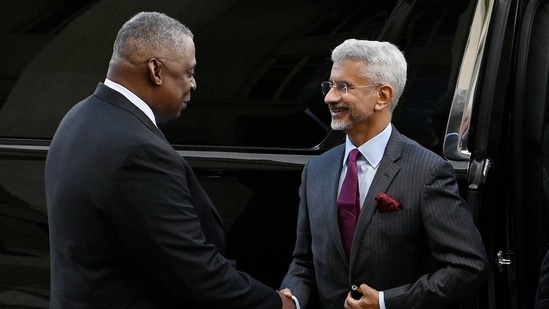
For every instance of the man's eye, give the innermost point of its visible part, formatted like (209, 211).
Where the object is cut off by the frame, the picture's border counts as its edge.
(341, 86)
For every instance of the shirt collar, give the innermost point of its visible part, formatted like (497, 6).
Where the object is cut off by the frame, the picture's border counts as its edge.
(132, 98)
(373, 149)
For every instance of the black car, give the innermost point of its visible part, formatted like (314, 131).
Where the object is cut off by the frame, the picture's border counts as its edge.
(477, 94)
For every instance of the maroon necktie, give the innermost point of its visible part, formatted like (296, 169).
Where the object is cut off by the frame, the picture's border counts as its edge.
(349, 202)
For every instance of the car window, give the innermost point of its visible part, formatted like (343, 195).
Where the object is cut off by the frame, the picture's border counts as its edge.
(271, 97)
(259, 69)
(433, 36)
(28, 34)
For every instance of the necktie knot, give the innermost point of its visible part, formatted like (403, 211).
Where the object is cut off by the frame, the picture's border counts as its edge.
(353, 155)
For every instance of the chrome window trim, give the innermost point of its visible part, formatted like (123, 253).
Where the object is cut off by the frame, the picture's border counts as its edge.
(246, 156)
(200, 154)
(462, 102)
(294, 159)
(35, 148)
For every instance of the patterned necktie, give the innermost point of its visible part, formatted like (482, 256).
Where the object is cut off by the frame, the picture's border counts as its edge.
(349, 202)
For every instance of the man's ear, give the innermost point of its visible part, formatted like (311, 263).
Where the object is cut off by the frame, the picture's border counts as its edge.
(156, 71)
(385, 94)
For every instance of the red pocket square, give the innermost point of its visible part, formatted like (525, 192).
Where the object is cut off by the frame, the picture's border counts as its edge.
(385, 203)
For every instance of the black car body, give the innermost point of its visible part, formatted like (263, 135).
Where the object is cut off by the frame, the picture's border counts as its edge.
(477, 94)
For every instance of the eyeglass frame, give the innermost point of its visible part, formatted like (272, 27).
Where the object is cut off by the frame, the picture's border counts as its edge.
(341, 88)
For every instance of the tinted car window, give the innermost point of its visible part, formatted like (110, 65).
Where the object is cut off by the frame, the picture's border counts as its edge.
(258, 75)
(271, 97)
(259, 69)
(29, 31)
(433, 35)
(258, 78)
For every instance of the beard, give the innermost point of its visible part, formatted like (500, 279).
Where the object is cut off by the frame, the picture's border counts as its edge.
(340, 124)
(351, 117)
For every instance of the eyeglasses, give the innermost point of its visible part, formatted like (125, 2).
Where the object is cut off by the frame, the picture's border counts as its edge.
(341, 87)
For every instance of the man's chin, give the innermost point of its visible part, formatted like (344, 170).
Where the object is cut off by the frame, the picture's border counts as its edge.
(339, 125)
(169, 118)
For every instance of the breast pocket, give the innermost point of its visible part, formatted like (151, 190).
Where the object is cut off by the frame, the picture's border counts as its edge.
(394, 224)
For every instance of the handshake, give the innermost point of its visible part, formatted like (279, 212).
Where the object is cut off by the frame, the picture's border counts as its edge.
(359, 296)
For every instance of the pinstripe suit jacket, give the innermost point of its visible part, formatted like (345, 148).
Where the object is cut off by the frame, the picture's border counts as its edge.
(423, 256)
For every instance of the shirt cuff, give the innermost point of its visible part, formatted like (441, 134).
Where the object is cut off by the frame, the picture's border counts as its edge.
(381, 300)
(297, 302)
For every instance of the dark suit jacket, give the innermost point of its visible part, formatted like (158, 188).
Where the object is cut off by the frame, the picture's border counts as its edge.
(422, 256)
(130, 226)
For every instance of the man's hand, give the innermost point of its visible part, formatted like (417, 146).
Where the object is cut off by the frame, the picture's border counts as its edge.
(287, 293)
(369, 299)
(287, 301)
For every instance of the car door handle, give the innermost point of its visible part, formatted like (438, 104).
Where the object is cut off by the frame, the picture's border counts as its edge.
(501, 260)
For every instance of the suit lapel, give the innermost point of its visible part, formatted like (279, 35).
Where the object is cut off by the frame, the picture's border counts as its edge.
(387, 170)
(332, 165)
(117, 99)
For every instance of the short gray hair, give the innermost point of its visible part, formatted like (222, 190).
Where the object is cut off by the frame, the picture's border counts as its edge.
(385, 63)
(150, 34)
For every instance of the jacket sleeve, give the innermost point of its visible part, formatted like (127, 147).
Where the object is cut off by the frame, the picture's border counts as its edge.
(162, 224)
(300, 278)
(454, 242)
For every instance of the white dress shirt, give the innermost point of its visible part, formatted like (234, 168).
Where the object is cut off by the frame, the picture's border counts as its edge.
(132, 97)
(372, 153)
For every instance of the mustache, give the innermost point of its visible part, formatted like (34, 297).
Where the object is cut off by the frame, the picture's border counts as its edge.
(338, 106)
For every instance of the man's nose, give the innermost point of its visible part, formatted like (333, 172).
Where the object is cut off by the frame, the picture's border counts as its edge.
(332, 96)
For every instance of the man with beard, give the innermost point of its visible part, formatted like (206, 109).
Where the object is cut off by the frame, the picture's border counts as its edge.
(379, 214)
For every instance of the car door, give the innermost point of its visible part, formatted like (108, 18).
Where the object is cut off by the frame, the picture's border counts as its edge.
(529, 154)
(508, 173)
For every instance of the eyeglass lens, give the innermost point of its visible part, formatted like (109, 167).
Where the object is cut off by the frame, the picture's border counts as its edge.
(341, 88)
